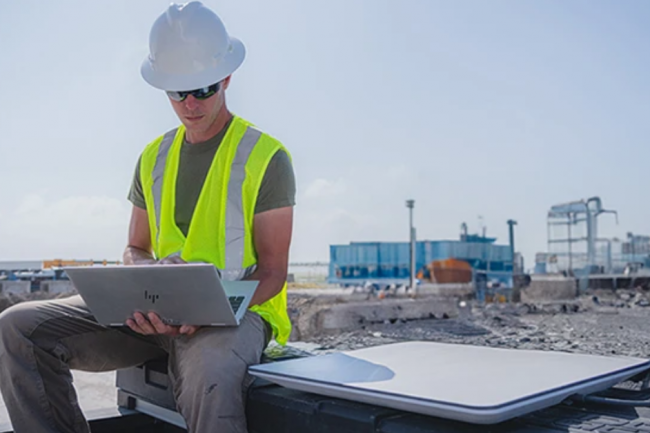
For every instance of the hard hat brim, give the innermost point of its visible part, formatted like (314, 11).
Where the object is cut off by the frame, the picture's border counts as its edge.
(170, 82)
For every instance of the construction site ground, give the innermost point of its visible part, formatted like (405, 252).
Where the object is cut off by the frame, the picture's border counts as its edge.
(597, 330)
(603, 323)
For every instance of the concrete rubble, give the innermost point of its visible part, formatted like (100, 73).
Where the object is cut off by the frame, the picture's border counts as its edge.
(549, 287)
(603, 322)
(314, 316)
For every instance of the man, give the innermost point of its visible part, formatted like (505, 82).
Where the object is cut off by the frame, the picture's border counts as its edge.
(216, 190)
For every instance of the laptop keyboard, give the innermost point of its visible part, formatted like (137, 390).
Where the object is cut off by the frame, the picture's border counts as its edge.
(235, 302)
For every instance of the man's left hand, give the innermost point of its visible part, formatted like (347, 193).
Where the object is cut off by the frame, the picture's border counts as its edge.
(174, 259)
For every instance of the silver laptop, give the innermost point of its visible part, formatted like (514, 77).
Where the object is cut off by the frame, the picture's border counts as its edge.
(184, 294)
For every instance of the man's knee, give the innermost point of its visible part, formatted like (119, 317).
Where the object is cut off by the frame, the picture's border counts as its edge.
(211, 394)
(16, 322)
(218, 380)
(225, 371)
(211, 367)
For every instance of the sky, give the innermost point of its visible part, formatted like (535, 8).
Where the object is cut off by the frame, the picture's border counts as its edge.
(479, 111)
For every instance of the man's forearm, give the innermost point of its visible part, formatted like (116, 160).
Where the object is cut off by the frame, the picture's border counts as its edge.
(136, 256)
(271, 283)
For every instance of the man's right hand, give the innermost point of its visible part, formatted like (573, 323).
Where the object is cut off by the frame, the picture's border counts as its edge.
(136, 256)
(138, 251)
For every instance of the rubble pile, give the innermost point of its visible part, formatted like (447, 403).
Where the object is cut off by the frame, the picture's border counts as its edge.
(603, 323)
(628, 298)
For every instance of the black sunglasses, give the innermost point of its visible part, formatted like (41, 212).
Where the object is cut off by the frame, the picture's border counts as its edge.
(199, 94)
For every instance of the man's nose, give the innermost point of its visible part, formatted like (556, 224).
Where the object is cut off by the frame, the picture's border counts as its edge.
(191, 103)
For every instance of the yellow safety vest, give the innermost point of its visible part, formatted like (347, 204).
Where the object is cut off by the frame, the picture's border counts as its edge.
(221, 230)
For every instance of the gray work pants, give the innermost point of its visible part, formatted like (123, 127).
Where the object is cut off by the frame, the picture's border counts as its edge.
(41, 341)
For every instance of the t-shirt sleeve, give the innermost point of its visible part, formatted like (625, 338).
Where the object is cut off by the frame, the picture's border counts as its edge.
(278, 187)
(136, 194)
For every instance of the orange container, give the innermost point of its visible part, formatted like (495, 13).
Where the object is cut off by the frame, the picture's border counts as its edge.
(450, 271)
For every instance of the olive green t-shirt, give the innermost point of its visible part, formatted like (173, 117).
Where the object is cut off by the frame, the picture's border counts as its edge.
(278, 188)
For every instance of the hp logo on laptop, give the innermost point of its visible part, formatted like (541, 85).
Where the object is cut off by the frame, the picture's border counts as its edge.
(151, 297)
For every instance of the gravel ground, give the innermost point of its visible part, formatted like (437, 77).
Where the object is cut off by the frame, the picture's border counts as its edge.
(602, 324)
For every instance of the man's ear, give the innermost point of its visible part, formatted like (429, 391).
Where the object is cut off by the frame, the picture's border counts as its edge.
(226, 82)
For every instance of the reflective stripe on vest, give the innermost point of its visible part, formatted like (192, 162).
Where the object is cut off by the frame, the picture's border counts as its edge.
(158, 172)
(235, 227)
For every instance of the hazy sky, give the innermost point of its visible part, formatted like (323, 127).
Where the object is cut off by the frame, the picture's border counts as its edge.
(491, 108)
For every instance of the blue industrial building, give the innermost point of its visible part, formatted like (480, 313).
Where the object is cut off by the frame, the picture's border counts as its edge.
(388, 262)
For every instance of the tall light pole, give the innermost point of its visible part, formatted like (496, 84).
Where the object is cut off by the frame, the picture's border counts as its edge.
(411, 204)
(511, 225)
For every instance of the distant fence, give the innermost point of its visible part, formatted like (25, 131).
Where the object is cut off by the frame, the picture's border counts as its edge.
(315, 272)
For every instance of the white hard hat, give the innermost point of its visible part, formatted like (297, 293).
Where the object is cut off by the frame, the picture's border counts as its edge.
(190, 49)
